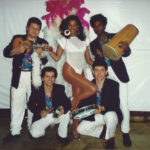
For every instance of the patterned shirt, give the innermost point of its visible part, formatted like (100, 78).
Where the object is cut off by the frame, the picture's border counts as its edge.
(48, 101)
(99, 93)
(27, 60)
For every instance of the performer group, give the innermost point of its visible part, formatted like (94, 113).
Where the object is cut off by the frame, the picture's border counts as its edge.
(48, 103)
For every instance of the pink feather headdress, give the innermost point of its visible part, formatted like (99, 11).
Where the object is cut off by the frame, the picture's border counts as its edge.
(63, 8)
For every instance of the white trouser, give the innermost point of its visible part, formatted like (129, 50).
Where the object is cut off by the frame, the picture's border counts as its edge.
(38, 127)
(94, 128)
(19, 98)
(125, 124)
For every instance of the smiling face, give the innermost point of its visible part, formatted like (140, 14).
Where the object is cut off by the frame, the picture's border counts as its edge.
(100, 73)
(49, 78)
(73, 27)
(33, 30)
(99, 27)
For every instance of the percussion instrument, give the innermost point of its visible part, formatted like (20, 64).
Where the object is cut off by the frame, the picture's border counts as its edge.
(84, 112)
(112, 49)
(56, 112)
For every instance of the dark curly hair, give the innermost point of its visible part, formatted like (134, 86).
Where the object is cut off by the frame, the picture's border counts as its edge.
(98, 17)
(48, 69)
(64, 26)
(100, 63)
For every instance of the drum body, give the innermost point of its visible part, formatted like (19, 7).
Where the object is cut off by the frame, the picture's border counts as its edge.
(85, 111)
(111, 49)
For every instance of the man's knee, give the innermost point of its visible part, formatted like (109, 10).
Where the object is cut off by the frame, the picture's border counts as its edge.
(36, 133)
(80, 129)
(83, 127)
(65, 118)
(111, 118)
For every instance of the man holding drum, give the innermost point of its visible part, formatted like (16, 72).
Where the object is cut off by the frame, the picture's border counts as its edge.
(108, 112)
(115, 68)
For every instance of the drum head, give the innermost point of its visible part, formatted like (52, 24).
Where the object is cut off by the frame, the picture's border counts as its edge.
(110, 52)
(84, 112)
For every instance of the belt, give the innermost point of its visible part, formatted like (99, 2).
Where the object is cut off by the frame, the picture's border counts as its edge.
(27, 70)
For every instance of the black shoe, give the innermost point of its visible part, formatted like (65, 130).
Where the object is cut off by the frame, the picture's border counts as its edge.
(62, 140)
(110, 144)
(126, 140)
(35, 139)
(10, 138)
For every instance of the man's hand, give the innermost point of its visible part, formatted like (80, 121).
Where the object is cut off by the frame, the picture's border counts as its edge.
(124, 45)
(17, 51)
(61, 112)
(99, 53)
(43, 113)
(100, 109)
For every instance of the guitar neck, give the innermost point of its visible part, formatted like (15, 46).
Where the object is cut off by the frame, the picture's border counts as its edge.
(39, 46)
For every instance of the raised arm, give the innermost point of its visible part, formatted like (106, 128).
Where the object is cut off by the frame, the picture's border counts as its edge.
(56, 56)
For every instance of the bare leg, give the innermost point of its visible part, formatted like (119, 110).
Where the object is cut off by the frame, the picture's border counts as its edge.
(75, 125)
(76, 91)
(86, 88)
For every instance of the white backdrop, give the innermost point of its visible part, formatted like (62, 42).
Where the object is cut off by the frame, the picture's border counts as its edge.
(14, 15)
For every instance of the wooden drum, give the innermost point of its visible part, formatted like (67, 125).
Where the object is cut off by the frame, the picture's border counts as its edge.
(111, 49)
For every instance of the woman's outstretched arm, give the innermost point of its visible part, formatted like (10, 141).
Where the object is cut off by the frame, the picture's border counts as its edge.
(56, 56)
